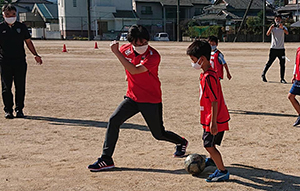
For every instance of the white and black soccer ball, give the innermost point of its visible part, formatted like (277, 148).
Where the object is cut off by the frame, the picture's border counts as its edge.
(194, 164)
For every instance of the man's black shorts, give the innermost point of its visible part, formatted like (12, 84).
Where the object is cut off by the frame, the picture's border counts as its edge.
(210, 140)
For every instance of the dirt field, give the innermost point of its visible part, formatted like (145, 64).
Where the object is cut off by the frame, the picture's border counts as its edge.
(71, 96)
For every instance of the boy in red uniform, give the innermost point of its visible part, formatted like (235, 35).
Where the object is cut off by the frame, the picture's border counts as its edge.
(214, 113)
(217, 60)
(141, 63)
(295, 90)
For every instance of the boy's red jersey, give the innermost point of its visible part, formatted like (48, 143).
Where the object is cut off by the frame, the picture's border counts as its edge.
(297, 67)
(143, 87)
(216, 65)
(210, 91)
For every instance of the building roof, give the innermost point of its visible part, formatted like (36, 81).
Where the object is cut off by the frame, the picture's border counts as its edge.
(241, 4)
(222, 15)
(174, 2)
(214, 7)
(202, 2)
(208, 17)
(125, 14)
(229, 14)
(21, 9)
(230, 10)
(30, 1)
(296, 24)
(47, 11)
(291, 7)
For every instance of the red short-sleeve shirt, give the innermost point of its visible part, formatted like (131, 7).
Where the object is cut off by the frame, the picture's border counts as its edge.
(143, 87)
(210, 91)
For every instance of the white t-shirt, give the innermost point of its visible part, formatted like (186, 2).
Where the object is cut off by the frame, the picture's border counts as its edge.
(277, 38)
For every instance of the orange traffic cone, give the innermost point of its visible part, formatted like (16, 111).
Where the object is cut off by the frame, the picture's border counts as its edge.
(96, 45)
(64, 48)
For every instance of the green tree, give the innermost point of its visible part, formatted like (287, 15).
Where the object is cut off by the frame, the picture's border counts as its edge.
(254, 24)
(204, 31)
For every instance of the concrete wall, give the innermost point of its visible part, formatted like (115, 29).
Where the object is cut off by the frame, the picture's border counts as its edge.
(42, 33)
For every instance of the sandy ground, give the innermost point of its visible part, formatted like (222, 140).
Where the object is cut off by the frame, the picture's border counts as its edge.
(71, 96)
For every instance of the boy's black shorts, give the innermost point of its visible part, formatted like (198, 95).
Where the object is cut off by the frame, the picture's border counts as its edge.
(210, 140)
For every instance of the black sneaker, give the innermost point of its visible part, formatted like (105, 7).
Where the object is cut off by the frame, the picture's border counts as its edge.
(20, 114)
(297, 122)
(180, 149)
(101, 164)
(9, 115)
(264, 79)
(283, 81)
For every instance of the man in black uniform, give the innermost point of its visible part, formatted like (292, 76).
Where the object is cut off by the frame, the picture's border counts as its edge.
(13, 64)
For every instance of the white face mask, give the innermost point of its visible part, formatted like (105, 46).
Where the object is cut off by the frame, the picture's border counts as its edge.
(10, 20)
(196, 65)
(214, 47)
(140, 49)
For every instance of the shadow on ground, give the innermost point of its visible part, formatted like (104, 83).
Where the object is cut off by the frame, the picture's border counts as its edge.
(248, 176)
(84, 123)
(242, 112)
(263, 179)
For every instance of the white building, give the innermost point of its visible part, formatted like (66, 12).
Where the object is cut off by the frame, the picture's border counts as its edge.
(108, 17)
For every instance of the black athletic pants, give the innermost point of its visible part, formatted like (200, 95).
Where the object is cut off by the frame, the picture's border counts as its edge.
(152, 114)
(276, 53)
(13, 72)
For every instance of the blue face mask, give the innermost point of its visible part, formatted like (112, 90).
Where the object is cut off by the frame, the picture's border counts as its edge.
(214, 47)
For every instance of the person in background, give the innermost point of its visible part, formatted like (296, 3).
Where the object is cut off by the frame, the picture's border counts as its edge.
(217, 58)
(277, 50)
(13, 64)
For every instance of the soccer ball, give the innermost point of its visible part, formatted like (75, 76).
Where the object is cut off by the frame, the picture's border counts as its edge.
(194, 164)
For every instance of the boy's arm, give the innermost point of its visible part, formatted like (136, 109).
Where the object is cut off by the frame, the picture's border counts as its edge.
(222, 61)
(294, 76)
(283, 28)
(214, 113)
(127, 65)
(227, 71)
(270, 30)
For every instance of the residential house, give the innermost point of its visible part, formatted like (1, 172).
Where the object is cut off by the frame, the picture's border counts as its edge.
(108, 17)
(292, 8)
(161, 15)
(229, 12)
(25, 6)
(40, 16)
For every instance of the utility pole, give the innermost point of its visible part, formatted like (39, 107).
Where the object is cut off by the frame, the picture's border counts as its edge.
(297, 13)
(89, 19)
(264, 21)
(244, 18)
(178, 21)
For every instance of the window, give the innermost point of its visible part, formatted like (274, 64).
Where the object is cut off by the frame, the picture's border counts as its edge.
(171, 13)
(146, 10)
(74, 3)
